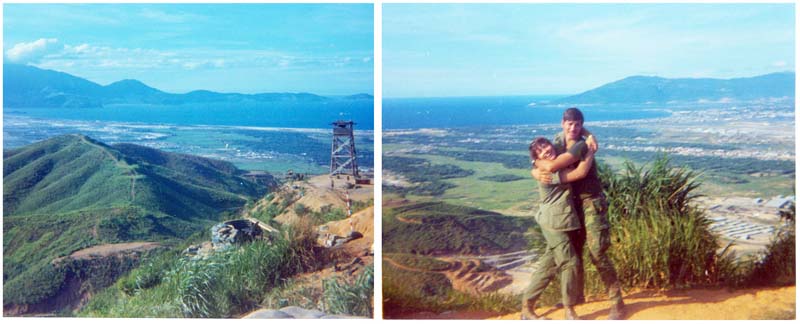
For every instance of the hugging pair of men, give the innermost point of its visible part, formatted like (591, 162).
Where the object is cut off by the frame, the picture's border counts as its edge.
(572, 215)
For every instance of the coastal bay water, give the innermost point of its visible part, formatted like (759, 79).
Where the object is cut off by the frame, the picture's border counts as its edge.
(405, 113)
(289, 136)
(294, 114)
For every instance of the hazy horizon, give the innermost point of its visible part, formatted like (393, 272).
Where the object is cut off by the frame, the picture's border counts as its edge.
(433, 50)
(325, 49)
(555, 95)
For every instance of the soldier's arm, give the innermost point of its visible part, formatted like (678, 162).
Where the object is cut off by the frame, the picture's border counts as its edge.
(578, 172)
(562, 161)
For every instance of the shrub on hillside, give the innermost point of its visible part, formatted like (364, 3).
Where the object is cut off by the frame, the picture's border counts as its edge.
(327, 214)
(43, 282)
(350, 298)
(659, 238)
(300, 209)
(777, 264)
(225, 284)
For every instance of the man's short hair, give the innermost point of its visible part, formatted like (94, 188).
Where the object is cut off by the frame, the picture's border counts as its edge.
(572, 114)
(536, 146)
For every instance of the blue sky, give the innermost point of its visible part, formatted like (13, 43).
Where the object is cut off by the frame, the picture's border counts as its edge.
(246, 48)
(432, 50)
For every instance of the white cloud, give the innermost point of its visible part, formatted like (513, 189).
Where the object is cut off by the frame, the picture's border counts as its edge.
(165, 17)
(124, 62)
(31, 52)
(195, 64)
(779, 64)
(191, 65)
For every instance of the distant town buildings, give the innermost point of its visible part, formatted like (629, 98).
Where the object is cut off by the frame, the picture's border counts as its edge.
(780, 202)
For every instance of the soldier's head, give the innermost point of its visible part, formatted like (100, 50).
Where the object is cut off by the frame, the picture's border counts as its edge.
(572, 123)
(541, 149)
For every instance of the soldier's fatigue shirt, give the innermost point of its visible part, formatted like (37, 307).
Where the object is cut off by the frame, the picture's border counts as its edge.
(589, 190)
(557, 211)
(589, 186)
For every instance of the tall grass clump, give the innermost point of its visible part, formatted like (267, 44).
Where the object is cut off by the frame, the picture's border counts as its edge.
(776, 266)
(148, 274)
(659, 238)
(304, 252)
(225, 284)
(350, 298)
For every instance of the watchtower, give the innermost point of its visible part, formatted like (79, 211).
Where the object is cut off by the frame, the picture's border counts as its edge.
(343, 149)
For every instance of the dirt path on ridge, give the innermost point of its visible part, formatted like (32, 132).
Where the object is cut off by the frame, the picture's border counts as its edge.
(692, 304)
(122, 164)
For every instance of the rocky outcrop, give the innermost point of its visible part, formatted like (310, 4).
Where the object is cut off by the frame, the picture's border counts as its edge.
(227, 234)
(234, 232)
(332, 240)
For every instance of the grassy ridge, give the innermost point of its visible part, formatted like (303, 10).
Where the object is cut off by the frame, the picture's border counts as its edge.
(433, 228)
(60, 175)
(72, 192)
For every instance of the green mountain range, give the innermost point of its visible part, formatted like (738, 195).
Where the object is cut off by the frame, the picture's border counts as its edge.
(438, 228)
(652, 89)
(29, 86)
(72, 192)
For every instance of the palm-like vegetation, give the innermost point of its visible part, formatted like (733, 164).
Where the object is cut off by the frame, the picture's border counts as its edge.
(660, 238)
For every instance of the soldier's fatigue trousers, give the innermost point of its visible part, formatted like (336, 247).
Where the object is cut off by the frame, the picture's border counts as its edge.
(595, 235)
(559, 257)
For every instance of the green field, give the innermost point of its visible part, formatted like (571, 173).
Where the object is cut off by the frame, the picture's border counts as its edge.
(511, 197)
(519, 196)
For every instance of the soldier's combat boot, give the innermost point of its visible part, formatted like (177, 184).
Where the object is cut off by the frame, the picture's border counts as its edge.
(528, 315)
(617, 311)
(570, 314)
(528, 312)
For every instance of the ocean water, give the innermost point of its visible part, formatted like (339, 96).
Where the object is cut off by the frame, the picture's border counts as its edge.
(402, 113)
(279, 114)
(293, 136)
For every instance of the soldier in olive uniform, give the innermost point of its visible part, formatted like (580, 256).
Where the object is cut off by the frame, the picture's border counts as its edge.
(591, 202)
(559, 222)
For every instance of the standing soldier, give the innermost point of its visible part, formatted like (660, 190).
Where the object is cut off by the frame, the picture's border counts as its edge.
(560, 225)
(591, 201)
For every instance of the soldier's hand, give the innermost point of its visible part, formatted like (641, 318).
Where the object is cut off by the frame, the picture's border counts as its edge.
(542, 177)
(591, 142)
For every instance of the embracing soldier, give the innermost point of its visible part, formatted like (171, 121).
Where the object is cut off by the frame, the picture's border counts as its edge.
(590, 202)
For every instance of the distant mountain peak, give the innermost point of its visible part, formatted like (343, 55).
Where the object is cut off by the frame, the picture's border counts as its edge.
(360, 96)
(131, 86)
(29, 86)
(653, 89)
(129, 83)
